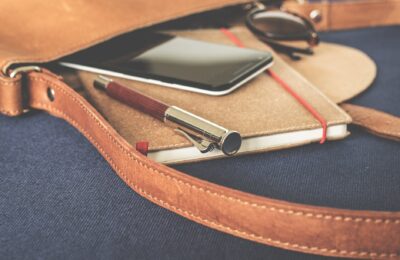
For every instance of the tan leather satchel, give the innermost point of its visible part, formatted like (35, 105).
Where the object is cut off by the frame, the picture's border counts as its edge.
(36, 32)
(346, 14)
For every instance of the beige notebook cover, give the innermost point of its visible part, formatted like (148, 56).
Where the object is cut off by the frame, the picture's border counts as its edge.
(267, 117)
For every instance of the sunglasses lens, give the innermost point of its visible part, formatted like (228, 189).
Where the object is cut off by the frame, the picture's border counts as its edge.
(280, 23)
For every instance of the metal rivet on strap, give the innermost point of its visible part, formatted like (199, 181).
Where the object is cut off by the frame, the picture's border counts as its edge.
(51, 94)
(316, 16)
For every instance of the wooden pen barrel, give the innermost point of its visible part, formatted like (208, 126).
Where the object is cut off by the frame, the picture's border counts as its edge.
(137, 100)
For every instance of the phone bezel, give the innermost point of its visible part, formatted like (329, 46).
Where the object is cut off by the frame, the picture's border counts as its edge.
(93, 60)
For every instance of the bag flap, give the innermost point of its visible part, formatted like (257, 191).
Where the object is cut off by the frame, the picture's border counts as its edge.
(39, 31)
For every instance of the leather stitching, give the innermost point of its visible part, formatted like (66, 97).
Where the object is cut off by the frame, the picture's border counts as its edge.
(3, 110)
(10, 112)
(187, 213)
(204, 220)
(280, 210)
(9, 83)
(262, 238)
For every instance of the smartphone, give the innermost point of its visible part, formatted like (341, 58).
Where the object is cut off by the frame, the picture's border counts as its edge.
(171, 61)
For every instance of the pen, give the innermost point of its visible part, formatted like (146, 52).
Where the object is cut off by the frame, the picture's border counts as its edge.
(205, 135)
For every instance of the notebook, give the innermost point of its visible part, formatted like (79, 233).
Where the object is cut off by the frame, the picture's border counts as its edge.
(265, 114)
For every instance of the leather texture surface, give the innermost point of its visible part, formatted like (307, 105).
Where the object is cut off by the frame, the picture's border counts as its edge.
(41, 40)
(114, 20)
(260, 107)
(375, 121)
(47, 216)
(268, 221)
(339, 232)
(11, 96)
(339, 71)
(69, 26)
(347, 14)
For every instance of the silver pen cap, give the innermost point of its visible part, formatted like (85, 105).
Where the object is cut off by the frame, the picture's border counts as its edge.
(227, 141)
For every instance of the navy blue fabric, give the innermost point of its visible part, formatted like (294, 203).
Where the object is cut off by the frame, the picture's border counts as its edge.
(59, 199)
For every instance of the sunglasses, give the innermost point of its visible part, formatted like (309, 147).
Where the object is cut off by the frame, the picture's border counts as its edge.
(274, 26)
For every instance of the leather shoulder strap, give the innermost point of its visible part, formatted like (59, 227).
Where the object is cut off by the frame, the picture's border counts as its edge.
(347, 14)
(310, 229)
(11, 96)
(375, 121)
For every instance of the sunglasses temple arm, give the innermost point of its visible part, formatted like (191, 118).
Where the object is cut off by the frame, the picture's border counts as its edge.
(288, 50)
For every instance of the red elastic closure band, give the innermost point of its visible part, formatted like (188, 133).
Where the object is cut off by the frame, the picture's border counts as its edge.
(285, 86)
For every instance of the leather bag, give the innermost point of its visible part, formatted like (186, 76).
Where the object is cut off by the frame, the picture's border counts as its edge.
(36, 32)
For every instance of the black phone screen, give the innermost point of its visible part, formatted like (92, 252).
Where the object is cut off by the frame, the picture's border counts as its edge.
(174, 60)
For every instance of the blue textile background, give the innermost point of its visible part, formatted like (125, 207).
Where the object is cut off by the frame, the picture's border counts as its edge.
(60, 200)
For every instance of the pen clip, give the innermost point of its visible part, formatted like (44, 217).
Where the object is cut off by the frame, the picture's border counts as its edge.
(203, 145)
